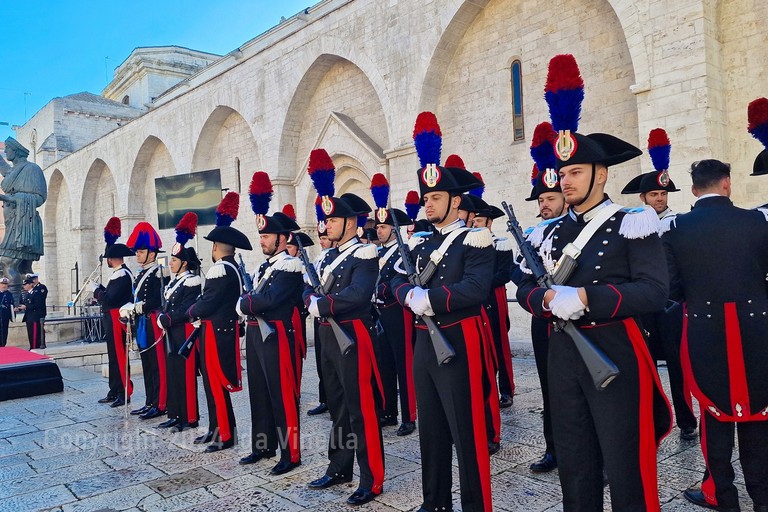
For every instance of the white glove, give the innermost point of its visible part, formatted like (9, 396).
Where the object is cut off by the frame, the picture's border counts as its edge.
(313, 308)
(419, 302)
(138, 308)
(159, 324)
(196, 323)
(92, 287)
(567, 304)
(126, 310)
(237, 308)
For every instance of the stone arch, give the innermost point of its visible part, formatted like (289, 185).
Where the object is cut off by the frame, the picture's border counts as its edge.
(334, 53)
(97, 205)
(226, 142)
(60, 254)
(152, 151)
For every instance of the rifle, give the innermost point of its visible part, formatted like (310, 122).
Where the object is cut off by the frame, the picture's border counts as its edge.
(164, 305)
(342, 338)
(601, 369)
(265, 329)
(186, 348)
(443, 349)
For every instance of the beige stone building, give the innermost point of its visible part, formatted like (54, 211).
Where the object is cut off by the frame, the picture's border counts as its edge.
(351, 76)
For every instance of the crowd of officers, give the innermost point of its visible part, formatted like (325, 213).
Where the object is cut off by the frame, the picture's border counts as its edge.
(701, 308)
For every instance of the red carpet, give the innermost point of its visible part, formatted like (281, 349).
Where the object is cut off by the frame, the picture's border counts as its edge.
(24, 373)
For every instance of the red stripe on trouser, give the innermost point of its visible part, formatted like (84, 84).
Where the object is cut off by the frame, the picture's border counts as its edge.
(708, 488)
(300, 348)
(736, 370)
(408, 322)
(490, 371)
(162, 399)
(647, 379)
(289, 393)
(218, 382)
(190, 379)
(471, 328)
(366, 362)
(502, 309)
(687, 374)
(118, 340)
(34, 335)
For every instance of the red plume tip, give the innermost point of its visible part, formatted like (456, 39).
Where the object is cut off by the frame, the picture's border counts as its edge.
(230, 205)
(188, 223)
(412, 197)
(658, 137)
(260, 183)
(479, 177)
(757, 113)
(113, 226)
(534, 174)
(289, 211)
(563, 74)
(379, 180)
(543, 132)
(320, 160)
(426, 122)
(455, 161)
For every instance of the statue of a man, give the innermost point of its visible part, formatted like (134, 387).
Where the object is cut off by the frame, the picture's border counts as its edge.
(25, 191)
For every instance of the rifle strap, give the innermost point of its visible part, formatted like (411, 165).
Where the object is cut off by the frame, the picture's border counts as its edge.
(437, 256)
(237, 271)
(143, 278)
(326, 277)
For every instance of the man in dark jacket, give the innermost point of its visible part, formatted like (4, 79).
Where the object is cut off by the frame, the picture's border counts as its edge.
(33, 306)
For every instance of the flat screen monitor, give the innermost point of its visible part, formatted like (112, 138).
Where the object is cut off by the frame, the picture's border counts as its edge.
(198, 192)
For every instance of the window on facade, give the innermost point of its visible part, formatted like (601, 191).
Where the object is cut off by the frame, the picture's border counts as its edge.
(126, 100)
(237, 173)
(517, 101)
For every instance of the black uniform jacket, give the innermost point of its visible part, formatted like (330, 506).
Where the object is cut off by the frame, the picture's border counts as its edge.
(149, 289)
(180, 294)
(462, 281)
(385, 294)
(718, 260)
(281, 283)
(223, 287)
(119, 290)
(353, 281)
(34, 301)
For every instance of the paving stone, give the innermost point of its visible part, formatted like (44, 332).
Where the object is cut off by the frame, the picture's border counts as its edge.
(113, 480)
(41, 498)
(53, 478)
(254, 500)
(15, 471)
(234, 485)
(121, 498)
(179, 483)
(12, 460)
(156, 503)
(70, 459)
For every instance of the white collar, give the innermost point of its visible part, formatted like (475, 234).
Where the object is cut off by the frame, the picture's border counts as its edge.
(706, 196)
(279, 256)
(668, 211)
(390, 243)
(349, 243)
(591, 213)
(458, 223)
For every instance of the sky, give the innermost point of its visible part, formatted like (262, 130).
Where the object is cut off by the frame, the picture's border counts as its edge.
(53, 48)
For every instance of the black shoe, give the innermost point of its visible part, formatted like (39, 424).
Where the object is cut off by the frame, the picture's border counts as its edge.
(179, 427)
(326, 481)
(320, 409)
(169, 423)
(505, 401)
(361, 497)
(547, 463)
(283, 467)
(688, 433)
(493, 448)
(108, 399)
(215, 447)
(205, 438)
(119, 402)
(388, 421)
(406, 428)
(141, 410)
(257, 456)
(153, 412)
(194, 424)
(696, 497)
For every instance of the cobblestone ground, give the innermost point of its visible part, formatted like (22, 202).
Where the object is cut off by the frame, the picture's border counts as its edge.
(67, 452)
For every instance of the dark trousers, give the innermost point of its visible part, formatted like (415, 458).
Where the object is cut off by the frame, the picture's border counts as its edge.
(596, 430)
(116, 355)
(182, 379)
(221, 416)
(395, 356)
(498, 316)
(717, 441)
(540, 338)
(348, 388)
(272, 390)
(452, 412)
(5, 320)
(318, 358)
(35, 333)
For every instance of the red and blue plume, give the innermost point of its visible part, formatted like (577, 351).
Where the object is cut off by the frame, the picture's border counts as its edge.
(112, 230)
(319, 209)
(659, 149)
(479, 191)
(226, 213)
(380, 190)
(534, 175)
(144, 236)
(260, 192)
(428, 139)
(289, 212)
(757, 115)
(412, 206)
(455, 161)
(542, 148)
(362, 220)
(564, 92)
(322, 172)
(185, 229)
